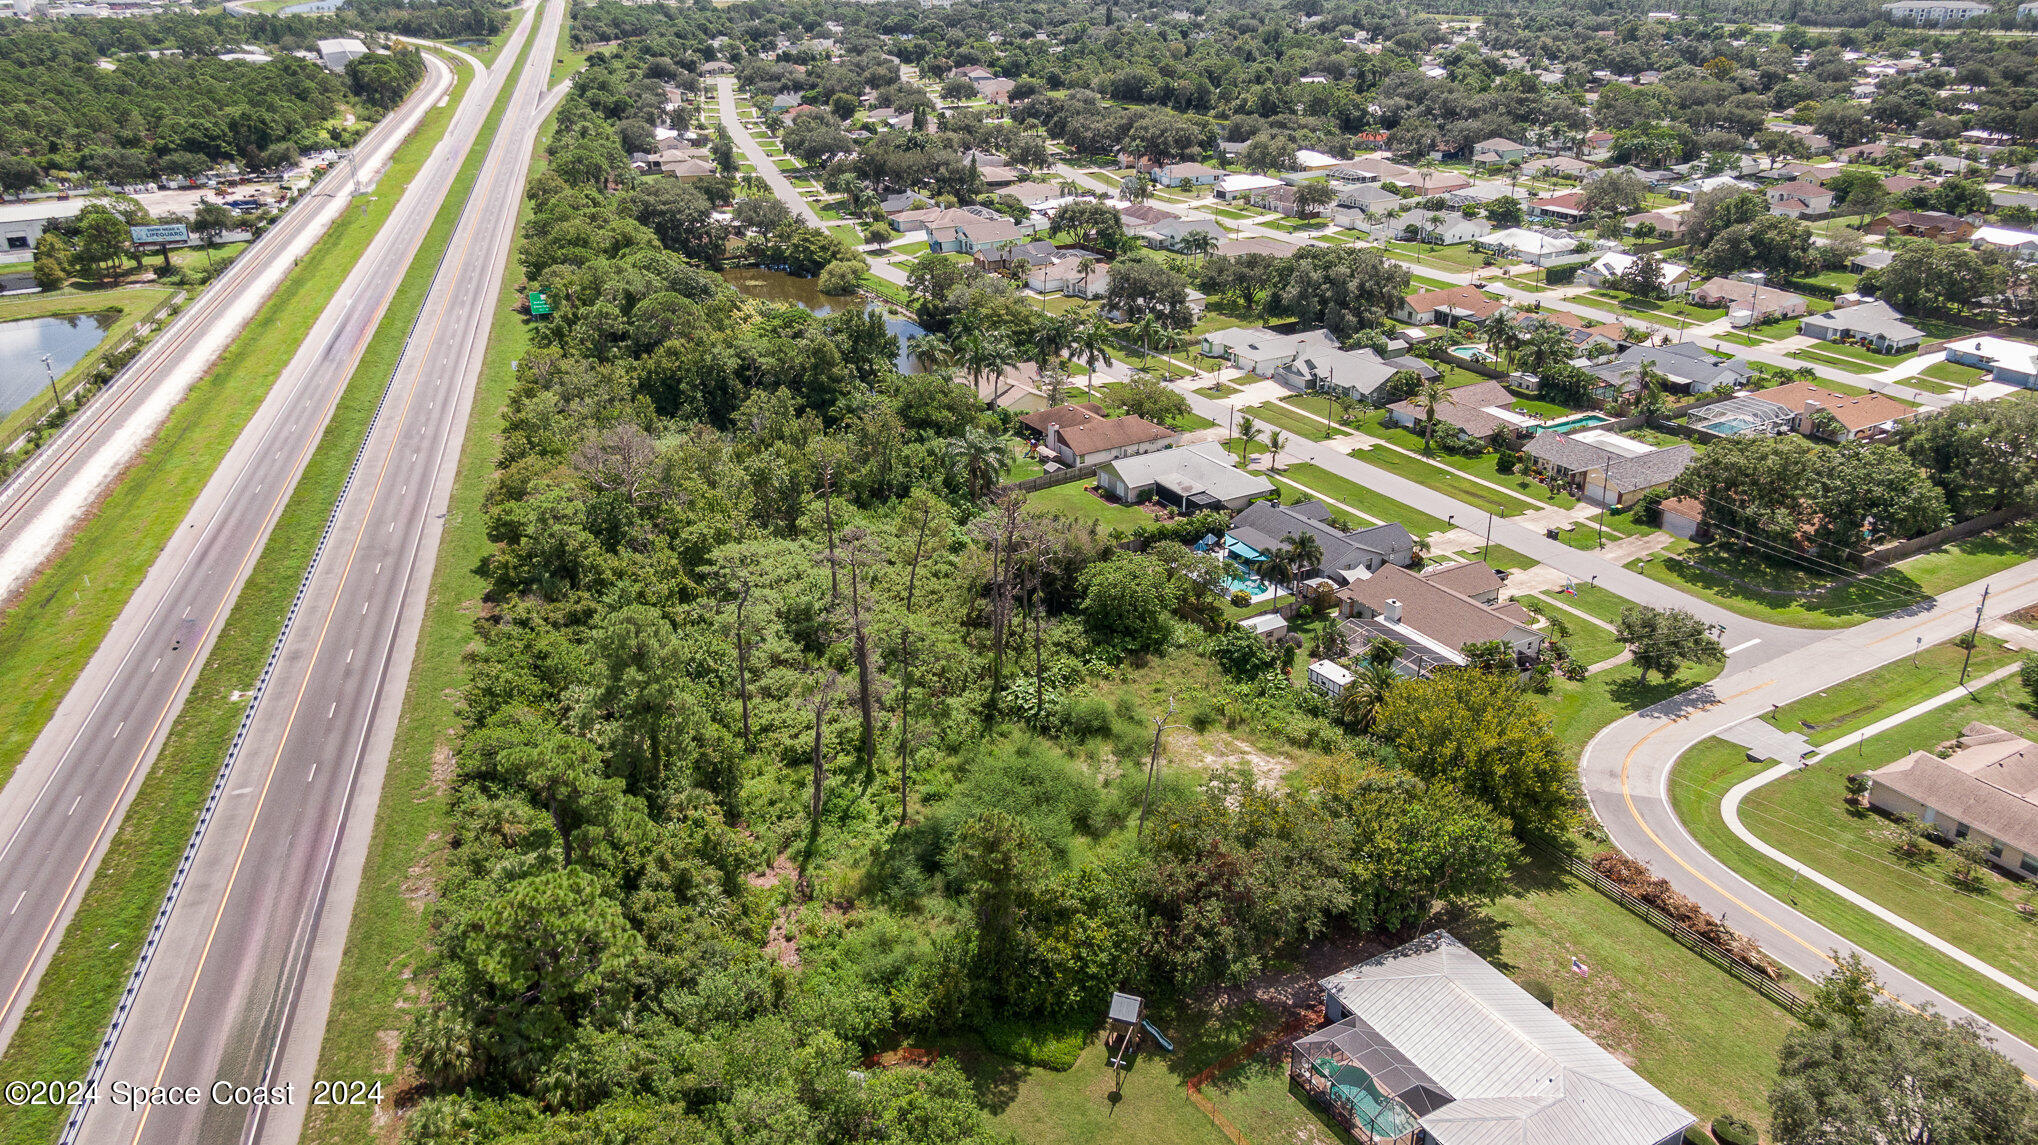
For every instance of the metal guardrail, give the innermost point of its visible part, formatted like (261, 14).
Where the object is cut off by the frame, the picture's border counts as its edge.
(104, 1055)
(1704, 947)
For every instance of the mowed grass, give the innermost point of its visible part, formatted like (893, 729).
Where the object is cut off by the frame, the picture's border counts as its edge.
(1851, 705)
(1444, 480)
(1803, 815)
(1804, 596)
(65, 1019)
(1288, 420)
(387, 938)
(1579, 710)
(1080, 499)
(53, 626)
(1368, 501)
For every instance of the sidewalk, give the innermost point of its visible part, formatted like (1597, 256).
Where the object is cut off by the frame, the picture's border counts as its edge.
(1730, 810)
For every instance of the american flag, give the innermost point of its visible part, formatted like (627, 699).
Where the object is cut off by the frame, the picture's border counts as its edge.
(1579, 968)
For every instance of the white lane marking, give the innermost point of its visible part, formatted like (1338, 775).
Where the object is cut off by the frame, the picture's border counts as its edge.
(156, 665)
(314, 771)
(116, 731)
(350, 655)
(187, 612)
(74, 806)
(17, 903)
(364, 608)
(378, 568)
(1744, 646)
(335, 706)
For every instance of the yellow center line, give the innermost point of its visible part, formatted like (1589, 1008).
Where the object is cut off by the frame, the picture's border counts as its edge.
(283, 741)
(1942, 616)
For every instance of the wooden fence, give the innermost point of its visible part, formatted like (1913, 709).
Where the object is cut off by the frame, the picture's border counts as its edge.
(1050, 480)
(1690, 939)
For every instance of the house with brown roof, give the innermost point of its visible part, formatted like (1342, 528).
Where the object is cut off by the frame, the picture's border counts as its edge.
(1431, 620)
(1431, 182)
(1760, 302)
(1568, 207)
(1253, 244)
(1452, 306)
(1080, 434)
(1478, 411)
(1985, 789)
(1864, 417)
(1934, 225)
(1668, 226)
(1798, 198)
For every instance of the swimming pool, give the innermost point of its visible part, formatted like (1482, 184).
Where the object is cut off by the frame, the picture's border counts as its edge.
(1575, 421)
(1471, 354)
(1248, 584)
(1727, 427)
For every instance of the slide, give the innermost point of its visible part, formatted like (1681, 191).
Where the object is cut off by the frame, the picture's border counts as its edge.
(1158, 1036)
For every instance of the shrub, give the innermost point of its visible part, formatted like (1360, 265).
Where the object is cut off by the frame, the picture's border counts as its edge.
(1240, 598)
(1539, 990)
(1054, 1046)
(1087, 717)
(1031, 781)
(2028, 674)
(1731, 1130)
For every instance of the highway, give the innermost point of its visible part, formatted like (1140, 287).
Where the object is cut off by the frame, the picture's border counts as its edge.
(41, 502)
(239, 984)
(60, 808)
(1628, 769)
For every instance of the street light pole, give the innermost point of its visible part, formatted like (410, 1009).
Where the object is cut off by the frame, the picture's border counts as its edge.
(52, 372)
(1973, 634)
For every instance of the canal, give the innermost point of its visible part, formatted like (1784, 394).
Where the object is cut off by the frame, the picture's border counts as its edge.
(23, 342)
(778, 286)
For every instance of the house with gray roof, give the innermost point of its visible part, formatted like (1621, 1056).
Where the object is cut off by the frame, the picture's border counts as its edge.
(1686, 366)
(1607, 468)
(1877, 323)
(1265, 527)
(1172, 233)
(1191, 479)
(1985, 789)
(1430, 1042)
(1353, 373)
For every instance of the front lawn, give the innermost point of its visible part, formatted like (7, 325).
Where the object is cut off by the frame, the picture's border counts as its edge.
(1081, 500)
(1804, 815)
(1579, 710)
(1652, 308)
(1863, 354)
(1952, 373)
(1460, 256)
(1289, 420)
(1485, 466)
(1588, 643)
(1441, 478)
(1371, 502)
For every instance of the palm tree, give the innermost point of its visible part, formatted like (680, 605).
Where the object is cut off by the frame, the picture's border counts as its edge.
(932, 352)
(988, 355)
(1143, 331)
(1274, 443)
(979, 458)
(1051, 339)
(1197, 243)
(1429, 396)
(1360, 701)
(1505, 341)
(1305, 551)
(1092, 343)
(1248, 432)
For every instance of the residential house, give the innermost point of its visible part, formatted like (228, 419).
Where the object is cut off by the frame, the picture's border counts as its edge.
(1668, 226)
(1315, 162)
(1432, 622)
(715, 68)
(1329, 677)
(997, 90)
(1173, 234)
(1445, 228)
(1431, 182)
(1054, 275)
(977, 235)
(1489, 152)
(1369, 171)
(1479, 411)
(1905, 184)
(1133, 216)
(1560, 166)
(1191, 479)
(1985, 789)
(1612, 265)
(1266, 527)
(1264, 352)
(1568, 207)
(1451, 306)
(1017, 256)
(1583, 333)
(1368, 198)
(1681, 517)
(1692, 187)
(1428, 1042)
(1607, 468)
(1866, 417)
(1359, 374)
(2023, 244)
(1274, 248)
(2011, 363)
(1187, 175)
(1232, 187)
(1533, 247)
(1748, 302)
(1876, 323)
(1684, 367)
(1934, 225)
(1079, 435)
(1797, 198)
(1596, 147)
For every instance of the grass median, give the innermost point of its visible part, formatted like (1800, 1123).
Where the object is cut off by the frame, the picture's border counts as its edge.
(387, 938)
(65, 1019)
(55, 624)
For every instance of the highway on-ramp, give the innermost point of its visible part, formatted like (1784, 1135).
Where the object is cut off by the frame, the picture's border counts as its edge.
(241, 974)
(1628, 768)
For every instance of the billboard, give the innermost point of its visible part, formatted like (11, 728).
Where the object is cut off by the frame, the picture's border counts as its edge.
(175, 233)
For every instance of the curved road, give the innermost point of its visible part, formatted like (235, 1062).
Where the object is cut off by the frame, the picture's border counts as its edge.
(1628, 767)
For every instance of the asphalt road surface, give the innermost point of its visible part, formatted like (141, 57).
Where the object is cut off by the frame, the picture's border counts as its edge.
(43, 500)
(238, 987)
(1627, 770)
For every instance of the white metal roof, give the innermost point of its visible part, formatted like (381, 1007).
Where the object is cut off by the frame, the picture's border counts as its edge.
(1521, 1074)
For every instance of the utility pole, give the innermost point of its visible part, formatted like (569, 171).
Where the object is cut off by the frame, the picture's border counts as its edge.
(52, 372)
(1153, 767)
(1973, 634)
(1488, 550)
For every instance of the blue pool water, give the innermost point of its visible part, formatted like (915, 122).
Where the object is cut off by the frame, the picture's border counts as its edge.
(1575, 421)
(1471, 354)
(1250, 585)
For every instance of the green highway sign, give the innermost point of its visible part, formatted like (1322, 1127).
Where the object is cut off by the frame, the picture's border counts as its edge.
(540, 304)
